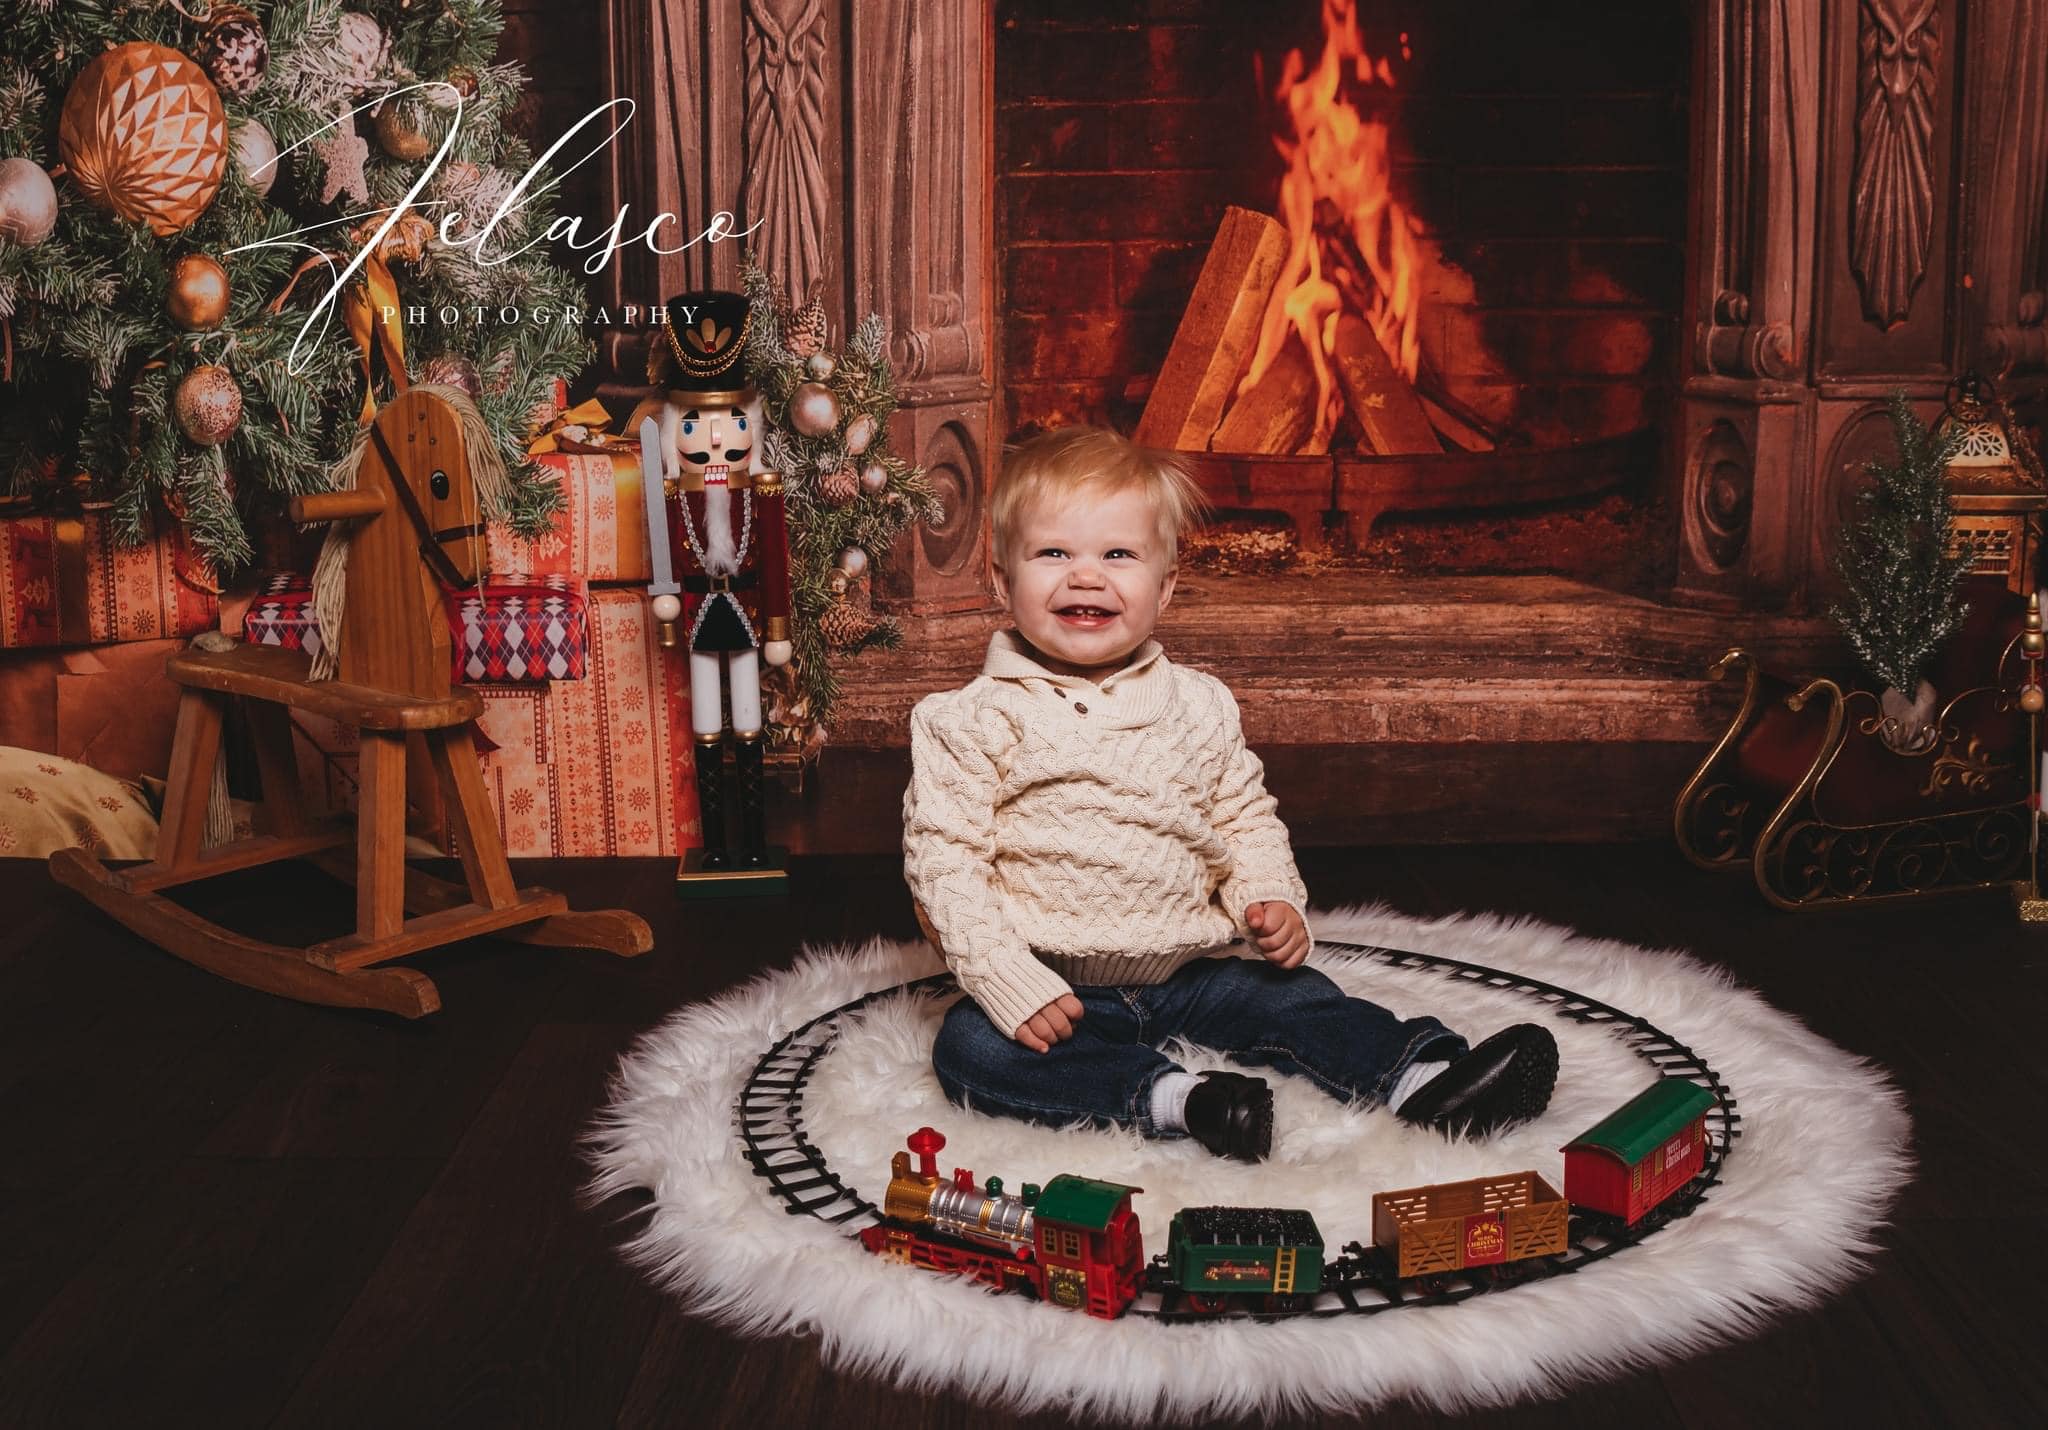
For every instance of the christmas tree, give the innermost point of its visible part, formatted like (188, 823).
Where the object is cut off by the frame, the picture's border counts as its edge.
(163, 303)
(850, 496)
(1899, 561)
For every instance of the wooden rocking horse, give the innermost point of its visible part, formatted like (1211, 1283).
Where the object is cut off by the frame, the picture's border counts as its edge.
(419, 531)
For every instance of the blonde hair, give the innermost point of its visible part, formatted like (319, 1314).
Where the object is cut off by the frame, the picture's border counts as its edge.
(1075, 459)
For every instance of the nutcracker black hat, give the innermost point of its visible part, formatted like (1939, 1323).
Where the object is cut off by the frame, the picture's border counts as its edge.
(704, 342)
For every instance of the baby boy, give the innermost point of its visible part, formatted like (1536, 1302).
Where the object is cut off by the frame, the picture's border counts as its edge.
(1093, 850)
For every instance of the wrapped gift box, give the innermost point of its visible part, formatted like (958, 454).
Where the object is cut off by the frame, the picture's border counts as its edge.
(65, 582)
(597, 766)
(515, 628)
(108, 706)
(600, 534)
(602, 765)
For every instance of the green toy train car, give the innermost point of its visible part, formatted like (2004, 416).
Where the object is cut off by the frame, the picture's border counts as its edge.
(1223, 1256)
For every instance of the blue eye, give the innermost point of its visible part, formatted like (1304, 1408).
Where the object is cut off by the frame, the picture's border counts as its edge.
(688, 428)
(743, 424)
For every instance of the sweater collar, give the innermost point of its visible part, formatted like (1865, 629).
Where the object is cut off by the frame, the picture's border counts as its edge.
(1141, 688)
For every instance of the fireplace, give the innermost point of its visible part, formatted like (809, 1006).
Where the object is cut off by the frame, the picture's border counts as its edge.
(1724, 231)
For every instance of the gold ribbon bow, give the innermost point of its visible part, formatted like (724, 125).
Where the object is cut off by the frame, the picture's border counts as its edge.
(589, 415)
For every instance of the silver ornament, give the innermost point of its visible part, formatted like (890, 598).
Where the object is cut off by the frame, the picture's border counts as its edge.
(255, 155)
(208, 405)
(854, 562)
(859, 433)
(813, 409)
(874, 478)
(28, 202)
(820, 366)
(363, 48)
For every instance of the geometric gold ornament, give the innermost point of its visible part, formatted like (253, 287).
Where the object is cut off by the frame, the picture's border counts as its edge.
(143, 134)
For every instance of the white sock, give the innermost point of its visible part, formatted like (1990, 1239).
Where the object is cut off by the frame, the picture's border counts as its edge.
(1411, 1081)
(1170, 1100)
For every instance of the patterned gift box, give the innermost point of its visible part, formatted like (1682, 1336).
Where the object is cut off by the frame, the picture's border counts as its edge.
(518, 628)
(64, 581)
(600, 534)
(602, 765)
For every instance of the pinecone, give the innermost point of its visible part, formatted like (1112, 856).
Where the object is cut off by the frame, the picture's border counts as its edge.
(844, 625)
(803, 331)
(840, 486)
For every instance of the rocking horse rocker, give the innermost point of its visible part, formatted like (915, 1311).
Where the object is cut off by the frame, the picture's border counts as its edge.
(417, 532)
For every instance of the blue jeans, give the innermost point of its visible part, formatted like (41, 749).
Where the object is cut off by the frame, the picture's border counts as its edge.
(1294, 1020)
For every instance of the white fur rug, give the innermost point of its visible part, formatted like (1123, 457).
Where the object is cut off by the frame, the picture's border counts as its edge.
(1821, 1159)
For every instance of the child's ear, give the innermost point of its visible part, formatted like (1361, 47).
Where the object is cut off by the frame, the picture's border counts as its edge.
(1166, 586)
(1002, 581)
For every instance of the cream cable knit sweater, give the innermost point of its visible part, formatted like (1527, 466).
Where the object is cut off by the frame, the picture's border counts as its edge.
(1057, 831)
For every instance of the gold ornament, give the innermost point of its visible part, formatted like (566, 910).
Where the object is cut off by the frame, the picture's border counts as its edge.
(813, 409)
(255, 155)
(234, 50)
(874, 478)
(208, 405)
(143, 134)
(2031, 700)
(198, 296)
(397, 138)
(28, 202)
(859, 433)
(839, 486)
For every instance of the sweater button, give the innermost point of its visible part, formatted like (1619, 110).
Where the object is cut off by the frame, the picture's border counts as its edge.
(1079, 708)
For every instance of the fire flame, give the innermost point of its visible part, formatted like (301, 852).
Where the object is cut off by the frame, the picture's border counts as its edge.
(1338, 157)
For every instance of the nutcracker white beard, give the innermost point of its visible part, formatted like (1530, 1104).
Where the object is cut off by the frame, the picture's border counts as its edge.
(721, 558)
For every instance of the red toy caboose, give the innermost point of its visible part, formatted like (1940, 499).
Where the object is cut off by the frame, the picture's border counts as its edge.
(1641, 1153)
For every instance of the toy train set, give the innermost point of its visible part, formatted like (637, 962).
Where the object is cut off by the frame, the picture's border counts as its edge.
(1075, 1241)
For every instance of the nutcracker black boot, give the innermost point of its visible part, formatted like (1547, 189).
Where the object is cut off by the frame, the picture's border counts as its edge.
(753, 850)
(711, 800)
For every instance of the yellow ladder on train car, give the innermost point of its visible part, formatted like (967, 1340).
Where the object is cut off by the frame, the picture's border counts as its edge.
(1283, 1271)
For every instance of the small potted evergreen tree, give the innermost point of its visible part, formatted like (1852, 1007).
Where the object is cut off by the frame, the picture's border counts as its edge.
(1899, 564)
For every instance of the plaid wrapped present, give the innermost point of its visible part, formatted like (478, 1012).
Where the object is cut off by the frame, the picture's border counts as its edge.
(518, 629)
(64, 581)
(600, 534)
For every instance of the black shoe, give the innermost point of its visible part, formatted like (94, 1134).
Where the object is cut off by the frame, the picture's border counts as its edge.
(1506, 1079)
(1231, 1115)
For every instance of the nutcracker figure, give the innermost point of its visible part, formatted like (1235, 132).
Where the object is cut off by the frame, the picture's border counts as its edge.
(725, 598)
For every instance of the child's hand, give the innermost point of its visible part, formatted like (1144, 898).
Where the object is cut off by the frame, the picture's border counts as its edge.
(1281, 935)
(1054, 1023)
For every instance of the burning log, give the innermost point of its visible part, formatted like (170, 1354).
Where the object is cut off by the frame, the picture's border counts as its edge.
(1277, 417)
(1379, 396)
(1216, 332)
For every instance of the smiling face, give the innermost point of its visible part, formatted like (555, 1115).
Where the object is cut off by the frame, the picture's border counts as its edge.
(715, 442)
(1086, 578)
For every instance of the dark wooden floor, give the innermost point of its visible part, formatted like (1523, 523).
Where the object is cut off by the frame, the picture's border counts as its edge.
(221, 1209)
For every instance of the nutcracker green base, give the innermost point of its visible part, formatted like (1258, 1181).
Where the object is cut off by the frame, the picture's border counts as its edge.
(768, 879)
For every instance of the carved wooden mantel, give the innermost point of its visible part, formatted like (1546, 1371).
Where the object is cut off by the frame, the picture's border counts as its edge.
(1868, 185)
(855, 137)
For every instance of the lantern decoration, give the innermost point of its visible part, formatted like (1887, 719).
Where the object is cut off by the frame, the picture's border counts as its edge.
(143, 134)
(234, 50)
(198, 294)
(208, 405)
(1996, 485)
(28, 202)
(255, 155)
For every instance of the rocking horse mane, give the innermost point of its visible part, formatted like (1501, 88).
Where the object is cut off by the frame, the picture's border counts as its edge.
(330, 573)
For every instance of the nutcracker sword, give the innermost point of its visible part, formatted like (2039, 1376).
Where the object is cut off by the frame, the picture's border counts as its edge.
(664, 586)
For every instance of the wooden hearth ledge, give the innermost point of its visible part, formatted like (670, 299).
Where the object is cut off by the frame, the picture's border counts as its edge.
(1345, 657)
